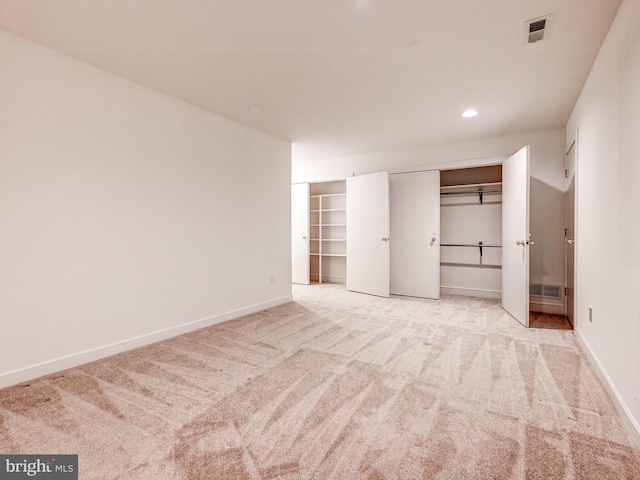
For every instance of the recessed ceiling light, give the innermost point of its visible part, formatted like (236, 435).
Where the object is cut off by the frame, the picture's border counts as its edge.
(255, 109)
(469, 113)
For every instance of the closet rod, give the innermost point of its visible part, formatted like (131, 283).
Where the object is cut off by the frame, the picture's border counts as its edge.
(479, 245)
(480, 192)
(470, 192)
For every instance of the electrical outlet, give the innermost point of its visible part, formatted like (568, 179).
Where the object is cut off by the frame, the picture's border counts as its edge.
(273, 279)
(590, 314)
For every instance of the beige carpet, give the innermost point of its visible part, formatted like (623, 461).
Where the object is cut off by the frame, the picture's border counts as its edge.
(336, 385)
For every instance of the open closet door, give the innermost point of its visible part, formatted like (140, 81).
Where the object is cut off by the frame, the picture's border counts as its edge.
(415, 230)
(570, 232)
(515, 235)
(368, 234)
(300, 233)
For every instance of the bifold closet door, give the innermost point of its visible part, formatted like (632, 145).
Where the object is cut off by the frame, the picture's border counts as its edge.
(515, 235)
(415, 234)
(300, 233)
(368, 234)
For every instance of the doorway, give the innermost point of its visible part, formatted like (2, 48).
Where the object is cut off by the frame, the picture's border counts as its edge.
(569, 231)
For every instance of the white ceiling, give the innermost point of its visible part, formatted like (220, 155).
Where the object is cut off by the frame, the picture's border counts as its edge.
(339, 77)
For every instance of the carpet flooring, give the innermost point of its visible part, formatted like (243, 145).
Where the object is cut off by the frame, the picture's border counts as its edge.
(335, 385)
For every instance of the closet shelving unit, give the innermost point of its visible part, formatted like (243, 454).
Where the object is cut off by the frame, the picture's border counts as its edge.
(328, 222)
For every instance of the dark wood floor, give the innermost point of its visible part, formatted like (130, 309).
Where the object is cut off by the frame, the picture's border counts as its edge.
(548, 320)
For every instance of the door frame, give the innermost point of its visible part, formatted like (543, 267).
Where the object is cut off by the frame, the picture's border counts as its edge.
(575, 144)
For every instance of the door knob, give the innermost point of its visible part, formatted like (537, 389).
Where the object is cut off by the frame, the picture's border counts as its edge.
(524, 243)
(304, 238)
(433, 239)
(570, 242)
(385, 239)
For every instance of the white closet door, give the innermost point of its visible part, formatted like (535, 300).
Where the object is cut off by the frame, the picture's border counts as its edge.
(368, 234)
(300, 233)
(415, 234)
(570, 233)
(515, 235)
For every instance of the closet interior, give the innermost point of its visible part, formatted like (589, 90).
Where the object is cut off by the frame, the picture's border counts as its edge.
(328, 231)
(471, 231)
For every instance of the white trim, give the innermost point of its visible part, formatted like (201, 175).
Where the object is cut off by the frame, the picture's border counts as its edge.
(334, 279)
(542, 307)
(329, 279)
(626, 416)
(574, 143)
(331, 180)
(452, 164)
(69, 361)
(470, 292)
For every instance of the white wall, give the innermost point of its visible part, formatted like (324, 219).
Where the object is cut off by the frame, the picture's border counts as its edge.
(547, 185)
(607, 116)
(126, 215)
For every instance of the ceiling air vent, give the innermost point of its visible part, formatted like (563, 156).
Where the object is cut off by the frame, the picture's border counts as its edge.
(537, 29)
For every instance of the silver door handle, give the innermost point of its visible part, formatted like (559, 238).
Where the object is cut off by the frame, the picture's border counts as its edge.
(524, 243)
(304, 238)
(570, 242)
(385, 239)
(433, 239)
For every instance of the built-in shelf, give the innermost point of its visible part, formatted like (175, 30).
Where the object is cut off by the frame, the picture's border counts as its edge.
(471, 185)
(328, 215)
(329, 195)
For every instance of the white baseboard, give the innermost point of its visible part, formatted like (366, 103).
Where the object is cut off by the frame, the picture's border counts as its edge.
(471, 292)
(329, 279)
(546, 308)
(623, 410)
(69, 361)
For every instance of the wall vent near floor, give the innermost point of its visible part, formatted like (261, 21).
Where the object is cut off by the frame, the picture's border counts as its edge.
(542, 290)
